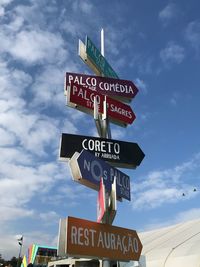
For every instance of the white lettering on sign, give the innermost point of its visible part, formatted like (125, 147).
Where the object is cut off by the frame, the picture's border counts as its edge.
(115, 87)
(82, 236)
(107, 156)
(101, 146)
(121, 111)
(92, 83)
(104, 240)
(96, 170)
(116, 109)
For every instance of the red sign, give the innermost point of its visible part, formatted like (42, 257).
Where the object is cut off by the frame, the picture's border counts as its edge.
(122, 89)
(101, 202)
(83, 98)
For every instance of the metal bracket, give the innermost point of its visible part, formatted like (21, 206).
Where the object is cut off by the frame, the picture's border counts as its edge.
(101, 121)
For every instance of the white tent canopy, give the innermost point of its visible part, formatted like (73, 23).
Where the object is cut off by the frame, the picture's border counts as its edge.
(174, 246)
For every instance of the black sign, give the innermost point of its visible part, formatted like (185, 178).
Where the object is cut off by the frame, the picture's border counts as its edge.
(118, 153)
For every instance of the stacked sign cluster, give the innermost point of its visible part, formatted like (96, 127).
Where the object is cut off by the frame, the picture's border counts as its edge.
(94, 159)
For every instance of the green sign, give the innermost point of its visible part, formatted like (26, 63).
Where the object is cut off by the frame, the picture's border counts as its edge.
(98, 60)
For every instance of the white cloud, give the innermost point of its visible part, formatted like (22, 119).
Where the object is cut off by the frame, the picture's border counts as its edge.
(173, 53)
(187, 215)
(7, 138)
(117, 133)
(180, 217)
(48, 88)
(10, 244)
(35, 46)
(3, 4)
(1, 11)
(166, 186)
(192, 34)
(83, 6)
(13, 83)
(50, 217)
(141, 85)
(174, 99)
(21, 181)
(15, 25)
(12, 213)
(168, 13)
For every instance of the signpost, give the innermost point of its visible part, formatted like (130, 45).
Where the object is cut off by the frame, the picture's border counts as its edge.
(118, 153)
(94, 240)
(103, 98)
(83, 99)
(86, 169)
(99, 60)
(120, 89)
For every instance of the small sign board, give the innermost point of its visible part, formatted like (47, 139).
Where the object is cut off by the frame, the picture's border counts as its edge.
(99, 60)
(123, 90)
(95, 240)
(118, 153)
(83, 99)
(86, 169)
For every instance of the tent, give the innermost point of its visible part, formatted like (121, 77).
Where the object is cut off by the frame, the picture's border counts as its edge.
(174, 246)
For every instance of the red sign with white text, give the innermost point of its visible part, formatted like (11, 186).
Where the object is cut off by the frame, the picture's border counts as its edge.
(84, 99)
(121, 89)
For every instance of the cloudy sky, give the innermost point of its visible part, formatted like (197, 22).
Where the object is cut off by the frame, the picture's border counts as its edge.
(155, 44)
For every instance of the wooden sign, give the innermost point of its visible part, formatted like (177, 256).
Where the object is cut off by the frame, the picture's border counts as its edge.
(83, 99)
(90, 239)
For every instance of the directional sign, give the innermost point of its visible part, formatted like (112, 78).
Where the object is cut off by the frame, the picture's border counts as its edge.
(121, 89)
(118, 153)
(86, 59)
(87, 170)
(95, 240)
(83, 99)
(99, 60)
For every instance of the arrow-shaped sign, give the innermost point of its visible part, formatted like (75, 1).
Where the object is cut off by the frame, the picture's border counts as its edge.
(89, 239)
(118, 153)
(87, 170)
(120, 89)
(99, 60)
(83, 99)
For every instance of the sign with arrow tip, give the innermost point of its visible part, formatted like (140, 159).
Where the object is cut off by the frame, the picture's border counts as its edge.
(118, 153)
(123, 90)
(86, 169)
(83, 99)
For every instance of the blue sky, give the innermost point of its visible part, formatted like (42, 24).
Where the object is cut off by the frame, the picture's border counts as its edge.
(156, 44)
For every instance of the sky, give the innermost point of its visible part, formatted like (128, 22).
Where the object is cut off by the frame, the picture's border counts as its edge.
(155, 44)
